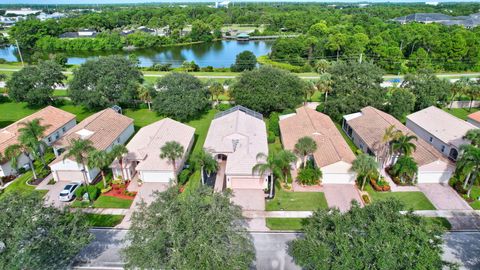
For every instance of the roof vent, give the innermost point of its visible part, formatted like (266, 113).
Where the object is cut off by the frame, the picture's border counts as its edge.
(84, 133)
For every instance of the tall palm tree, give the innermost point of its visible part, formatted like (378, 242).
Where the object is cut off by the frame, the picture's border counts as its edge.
(459, 87)
(118, 152)
(99, 159)
(473, 92)
(391, 134)
(310, 90)
(267, 165)
(304, 147)
(469, 165)
(204, 161)
(172, 150)
(143, 92)
(27, 148)
(216, 89)
(321, 66)
(364, 165)
(324, 85)
(32, 133)
(474, 136)
(284, 160)
(405, 167)
(80, 150)
(403, 145)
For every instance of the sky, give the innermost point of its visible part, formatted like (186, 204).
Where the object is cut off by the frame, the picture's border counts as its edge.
(183, 1)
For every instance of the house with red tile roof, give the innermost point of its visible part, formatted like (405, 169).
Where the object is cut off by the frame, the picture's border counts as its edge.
(474, 119)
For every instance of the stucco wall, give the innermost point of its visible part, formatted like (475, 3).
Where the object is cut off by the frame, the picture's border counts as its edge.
(425, 135)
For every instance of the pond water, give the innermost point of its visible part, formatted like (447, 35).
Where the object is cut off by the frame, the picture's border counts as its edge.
(216, 54)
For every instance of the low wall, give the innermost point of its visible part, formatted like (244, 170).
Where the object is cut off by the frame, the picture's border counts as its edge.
(464, 104)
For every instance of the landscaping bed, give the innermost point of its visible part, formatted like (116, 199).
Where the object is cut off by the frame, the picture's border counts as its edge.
(285, 224)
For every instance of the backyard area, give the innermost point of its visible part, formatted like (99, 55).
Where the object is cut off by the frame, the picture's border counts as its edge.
(461, 113)
(415, 200)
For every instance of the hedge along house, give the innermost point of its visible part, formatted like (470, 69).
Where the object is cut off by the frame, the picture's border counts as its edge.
(235, 138)
(442, 130)
(58, 122)
(333, 155)
(104, 129)
(143, 158)
(367, 127)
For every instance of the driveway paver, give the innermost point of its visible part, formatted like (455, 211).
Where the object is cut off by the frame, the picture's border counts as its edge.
(443, 197)
(341, 195)
(249, 199)
(51, 198)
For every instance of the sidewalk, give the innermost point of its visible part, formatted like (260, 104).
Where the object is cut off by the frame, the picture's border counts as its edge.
(103, 211)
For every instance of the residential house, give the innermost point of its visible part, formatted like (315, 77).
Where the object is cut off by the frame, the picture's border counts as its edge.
(143, 158)
(469, 21)
(442, 130)
(83, 33)
(57, 121)
(367, 127)
(333, 155)
(104, 129)
(474, 119)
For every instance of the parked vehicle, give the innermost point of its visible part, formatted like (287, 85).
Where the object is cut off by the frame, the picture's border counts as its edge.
(68, 192)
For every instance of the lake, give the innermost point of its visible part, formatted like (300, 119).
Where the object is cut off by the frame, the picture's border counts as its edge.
(217, 54)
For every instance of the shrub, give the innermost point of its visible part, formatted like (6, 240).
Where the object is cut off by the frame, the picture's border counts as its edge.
(117, 181)
(271, 137)
(273, 123)
(183, 176)
(79, 192)
(380, 185)
(207, 69)
(51, 182)
(160, 67)
(223, 107)
(309, 176)
(366, 199)
(107, 189)
(93, 192)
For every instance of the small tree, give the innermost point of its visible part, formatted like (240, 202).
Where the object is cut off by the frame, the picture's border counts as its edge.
(100, 159)
(80, 150)
(474, 136)
(156, 240)
(468, 165)
(144, 93)
(118, 152)
(216, 89)
(36, 236)
(245, 60)
(459, 87)
(172, 151)
(205, 162)
(304, 147)
(364, 165)
(310, 90)
(32, 133)
(403, 145)
(406, 169)
(267, 165)
(324, 85)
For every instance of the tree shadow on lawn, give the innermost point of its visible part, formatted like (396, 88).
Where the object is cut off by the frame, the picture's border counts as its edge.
(104, 240)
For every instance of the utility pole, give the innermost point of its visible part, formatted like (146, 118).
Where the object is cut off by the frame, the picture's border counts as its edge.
(19, 52)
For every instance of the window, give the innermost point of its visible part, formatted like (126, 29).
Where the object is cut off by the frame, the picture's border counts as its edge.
(57, 135)
(443, 148)
(64, 129)
(118, 140)
(431, 139)
(49, 139)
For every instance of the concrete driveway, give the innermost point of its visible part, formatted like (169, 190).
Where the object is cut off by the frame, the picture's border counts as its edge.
(249, 199)
(51, 198)
(341, 195)
(443, 197)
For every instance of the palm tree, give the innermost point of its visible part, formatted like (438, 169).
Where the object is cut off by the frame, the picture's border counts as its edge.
(27, 148)
(474, 136)
(284, 160)
(459, 87)
(304, 147)
(204, 161)
(364, 165)
(405, 167)
(216, 89)
(172, 150)
(143, 92)
(321, 66)
(267, 165)
(473, 91)
(32, 133)
(310, 90)
(391, 134)
(324, 85)
(99, 159)
(469, 165)
(118, 151)
(79, 150)
(403, 145)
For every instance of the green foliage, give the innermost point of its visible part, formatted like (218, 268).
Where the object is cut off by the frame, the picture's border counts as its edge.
(265, 61)
(271, 137)
(155, 233)
(201, 31)
(406, 169)
(245, 60)
(428, 89)
(401, 102)
(309, 175)
(36, 236)
(267, 89)
(102, 41)
(354, 86)
(93, 192)
(35, 84)
(184, 176)
(372, 237)
(273, 123)
(104, 82)
(182, 97)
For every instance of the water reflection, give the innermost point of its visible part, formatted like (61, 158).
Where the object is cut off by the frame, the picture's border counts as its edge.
(216, 54)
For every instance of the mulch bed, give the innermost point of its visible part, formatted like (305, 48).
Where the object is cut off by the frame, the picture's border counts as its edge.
(118, 191)
(7, 179)
(36, 182)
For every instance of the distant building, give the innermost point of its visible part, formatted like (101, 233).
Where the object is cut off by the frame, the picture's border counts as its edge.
(243, 36)
(22, 11)
(83, 33)
(474, 119)
(56, 15)
(469, 21)
(432, 3)
(223, 4)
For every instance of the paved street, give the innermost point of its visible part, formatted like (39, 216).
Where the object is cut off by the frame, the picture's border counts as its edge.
(271, 250)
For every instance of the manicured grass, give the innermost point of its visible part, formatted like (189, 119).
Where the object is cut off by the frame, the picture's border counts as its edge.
(415, 200)
(296, 201)
(20, 185)
(475, 194)
(461, 113)
(285, 224)
(441, 221)
(80, 111)
(60, 93)
(98, 220)
(349, 141)
(105, 202)
(11, 112)
(142, 117)
(275, 147)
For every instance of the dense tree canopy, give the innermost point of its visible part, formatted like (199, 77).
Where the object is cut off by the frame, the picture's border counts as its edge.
(203, 230)
(35, 236)
(268, 89)
(35, 84)
(181, 96)
(401, 102)
(428, 89)
(355, 85)
(376, 236)
(105, 81)
(245, 60)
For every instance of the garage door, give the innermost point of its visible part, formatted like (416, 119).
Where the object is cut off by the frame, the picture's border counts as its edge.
(338, 178)
(69, 176)
(157, 177)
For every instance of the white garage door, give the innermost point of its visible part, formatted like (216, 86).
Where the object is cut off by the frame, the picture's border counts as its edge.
(158, 177)
(338, 178)
(70, 176)
(432, 177)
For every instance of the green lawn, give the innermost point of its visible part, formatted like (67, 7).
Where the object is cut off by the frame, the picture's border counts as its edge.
(60, 93)
(415, 200)
(11, 112)
(20, 185)
(349, 141)
(461, 113)
(105, 202)
(476, 195)
(97, 220)
(142, 117)
(284, 224)
(296, 201)
(441, 221)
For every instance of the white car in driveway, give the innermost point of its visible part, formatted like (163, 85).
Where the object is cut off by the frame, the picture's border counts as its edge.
(68, 192)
